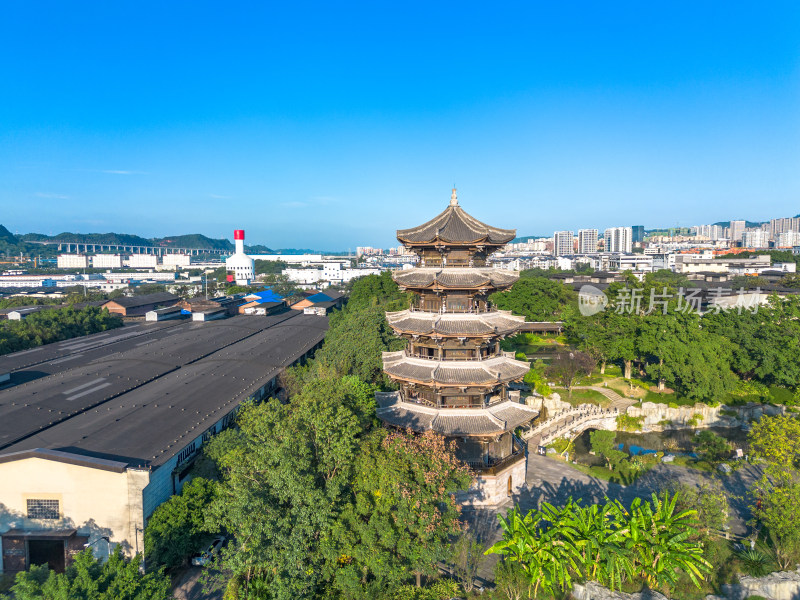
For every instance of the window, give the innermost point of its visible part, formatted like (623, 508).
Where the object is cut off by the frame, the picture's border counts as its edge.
(43, 509)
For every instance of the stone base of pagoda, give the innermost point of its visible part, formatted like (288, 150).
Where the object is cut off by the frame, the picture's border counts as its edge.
(496, 485)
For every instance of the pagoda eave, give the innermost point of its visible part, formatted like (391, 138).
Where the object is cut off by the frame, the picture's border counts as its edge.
(488, 422)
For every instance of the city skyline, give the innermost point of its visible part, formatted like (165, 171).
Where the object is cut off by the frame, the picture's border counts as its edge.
(329, 129)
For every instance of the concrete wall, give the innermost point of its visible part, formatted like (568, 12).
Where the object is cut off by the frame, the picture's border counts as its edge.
(94, 501)
(491, 490)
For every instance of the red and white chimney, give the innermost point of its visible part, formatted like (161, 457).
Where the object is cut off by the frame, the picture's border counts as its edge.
(238, 237)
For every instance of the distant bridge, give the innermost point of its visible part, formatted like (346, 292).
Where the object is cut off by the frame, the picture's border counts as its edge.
(157, 250)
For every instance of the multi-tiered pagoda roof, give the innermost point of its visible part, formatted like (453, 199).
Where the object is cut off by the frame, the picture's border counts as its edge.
(453, 376)
(486, 324)
(455, 227)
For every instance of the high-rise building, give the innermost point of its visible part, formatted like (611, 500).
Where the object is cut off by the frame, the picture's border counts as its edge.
(453, 377)
(563, 243)
(788, 239)
(587, 241)
(638, 233)
(755, 239)
(736, 230)
(619, 239)
(779, 226)
(712, 232)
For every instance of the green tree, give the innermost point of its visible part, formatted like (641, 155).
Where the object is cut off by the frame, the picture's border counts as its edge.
(775, 507)
(178, 526)
(90, 579)
(271, 267)
(712, 447)
(695, 363)
(776, 440)
(567, 367)
(285, 481)
(403, 514)
(603, 444)
(608, 337)
(766, 343)
(709, 500)
(536, 298)
(376, 290)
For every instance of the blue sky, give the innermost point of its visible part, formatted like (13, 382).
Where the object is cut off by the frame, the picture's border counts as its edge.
(330, 125)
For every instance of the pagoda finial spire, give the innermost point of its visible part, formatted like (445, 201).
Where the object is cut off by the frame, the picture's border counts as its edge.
(453, 198)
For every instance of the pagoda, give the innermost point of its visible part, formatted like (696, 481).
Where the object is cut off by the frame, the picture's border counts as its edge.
(453, 377)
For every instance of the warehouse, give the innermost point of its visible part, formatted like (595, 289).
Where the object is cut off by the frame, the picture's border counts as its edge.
(139, 306)
(94, 437)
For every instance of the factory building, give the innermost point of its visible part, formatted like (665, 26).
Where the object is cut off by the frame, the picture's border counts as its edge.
(142, 261)
(139, 306)
(176, 260)
(240, 267)
(107, 261)
(72, 261)
(98, 431)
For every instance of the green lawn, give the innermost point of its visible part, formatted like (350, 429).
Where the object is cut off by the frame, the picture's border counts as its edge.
(577, 397)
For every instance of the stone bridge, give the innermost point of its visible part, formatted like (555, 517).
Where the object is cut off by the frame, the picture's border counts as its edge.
(569, 423)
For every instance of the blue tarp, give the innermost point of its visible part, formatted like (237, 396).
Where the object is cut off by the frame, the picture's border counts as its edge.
(266, 295)
(319, 298)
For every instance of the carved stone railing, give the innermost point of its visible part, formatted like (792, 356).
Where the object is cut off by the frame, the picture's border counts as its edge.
(568, 420)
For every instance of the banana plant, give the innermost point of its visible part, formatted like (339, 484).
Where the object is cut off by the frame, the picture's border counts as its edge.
(657, 539)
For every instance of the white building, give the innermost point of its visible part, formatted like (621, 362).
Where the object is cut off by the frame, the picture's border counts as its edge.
(176, 260)
(27, 281)
(712, 232)
(755, 239)
(788, 239)
(107, 261)
(779, 226)
(240, 267)
(587, 241)
(619, 239)
(563, 243)
(736, 230)
(642, 263)
(142, 261)
(331, 273)
(73, 261)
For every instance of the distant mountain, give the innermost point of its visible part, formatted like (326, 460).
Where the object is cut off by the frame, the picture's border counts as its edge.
(193, 240)
(7, 236)
(258, 249)
(746, 223)
(88, 238)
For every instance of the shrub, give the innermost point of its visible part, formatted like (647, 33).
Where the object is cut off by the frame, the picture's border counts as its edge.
(696, 419)
(755, 562)
(628, 423)
(561, 445)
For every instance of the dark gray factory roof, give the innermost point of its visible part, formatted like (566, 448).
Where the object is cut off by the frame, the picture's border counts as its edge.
(143, 405)
(144, 300)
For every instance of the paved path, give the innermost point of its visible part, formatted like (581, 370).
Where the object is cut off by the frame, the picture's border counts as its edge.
(190, 585)
(617, 401)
